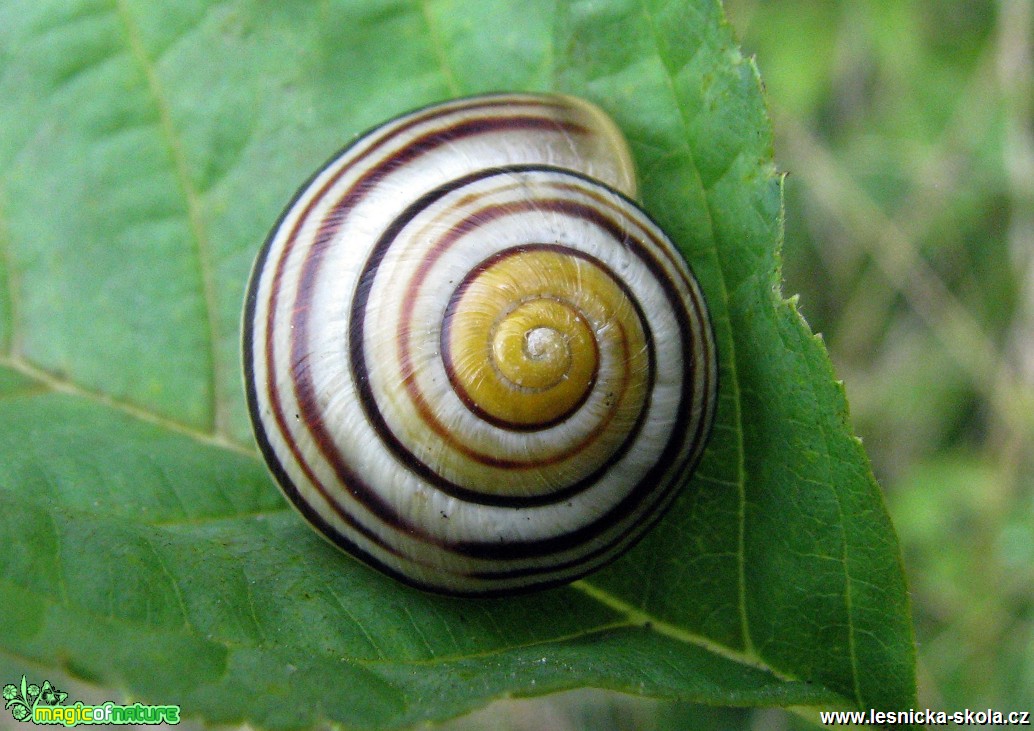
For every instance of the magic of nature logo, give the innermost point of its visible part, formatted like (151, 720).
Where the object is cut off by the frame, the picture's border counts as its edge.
(45, 705)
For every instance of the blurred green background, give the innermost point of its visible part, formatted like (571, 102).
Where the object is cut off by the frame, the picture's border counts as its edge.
(907, 133)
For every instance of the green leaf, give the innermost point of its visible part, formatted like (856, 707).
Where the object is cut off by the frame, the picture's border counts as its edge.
(145, 149)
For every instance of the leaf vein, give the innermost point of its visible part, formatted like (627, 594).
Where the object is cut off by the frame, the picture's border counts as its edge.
(56, 384)
(195, 219)
(412, 620)
(172, 581)
(343, 605)
(848, 600)
(641, 618)
(10, 343)
(438, 47)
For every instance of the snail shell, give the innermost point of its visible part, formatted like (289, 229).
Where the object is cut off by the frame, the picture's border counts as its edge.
(470, 359)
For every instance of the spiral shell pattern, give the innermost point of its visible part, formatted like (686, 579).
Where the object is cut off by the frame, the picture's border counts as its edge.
(470, 359)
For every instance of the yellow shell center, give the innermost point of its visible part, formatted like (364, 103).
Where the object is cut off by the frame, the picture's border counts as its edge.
(541, 344)
(523, 353)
